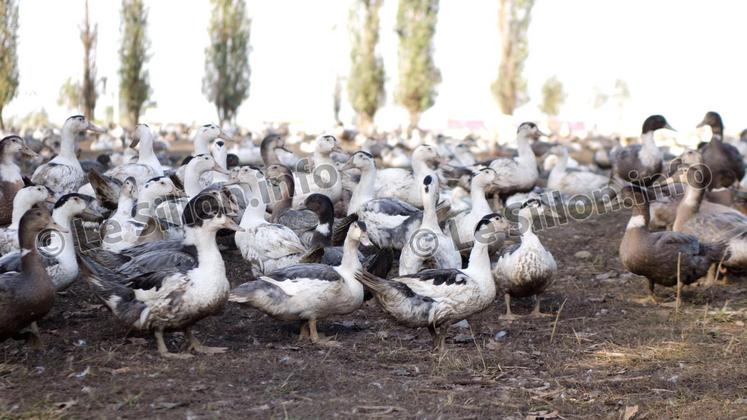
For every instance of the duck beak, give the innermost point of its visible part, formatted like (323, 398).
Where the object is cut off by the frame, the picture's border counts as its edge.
(231, 225)
(50, 200)
(348, 165)
(226, 137)
(26, 151)
(669, 127)
(701, 124)
(135, 141)
(219, 169)
(542, 134)
(95, 129)
(337, 148)
(55, 226)
(177, 193)
(365, 241)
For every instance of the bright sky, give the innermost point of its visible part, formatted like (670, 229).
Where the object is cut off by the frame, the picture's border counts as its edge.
(679, 58)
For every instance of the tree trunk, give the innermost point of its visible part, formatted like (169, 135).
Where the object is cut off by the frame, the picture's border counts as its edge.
(2, 123)
(414, 119)
(365, 123)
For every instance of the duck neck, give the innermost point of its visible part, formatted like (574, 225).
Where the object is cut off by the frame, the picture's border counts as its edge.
(430, 200)
(208, 254)
(202, 145)
(253, 215)
(364, 191)
(638, 223)
(322, 158)
(146, 156)
(267, 151)
(688, 207)
(20, 208)
(124, 205)
(192, 181)
(350, 259)
(67, 146)
(66, 257)
(479, 261)
(480, 204)
(286, 199)
(526, 226)
(146, 207)
(525, 149)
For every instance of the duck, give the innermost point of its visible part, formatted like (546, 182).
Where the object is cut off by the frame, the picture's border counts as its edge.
(571, 182)
(147, 165)
(269, 246)
(428, 243)
(63, 174)
(519, 174)
(58, 256)
(436, 298)
(655, 255)
(11, 180)
(204, 136)
(324, 178)
(463, 224)
(142, 225)
(195, 168)
(172, 298)
(723, 159)
(28, 294)
(729, 228)
(125, 204)
(404, 185)
(309, 292)
(641, 163)
(281, 189)
(220, 155)
(25, 199)
(528, 268)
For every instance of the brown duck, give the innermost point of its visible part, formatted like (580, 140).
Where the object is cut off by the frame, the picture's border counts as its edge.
(724, 160)
(654, 254)
(28, 295)
(11, 179)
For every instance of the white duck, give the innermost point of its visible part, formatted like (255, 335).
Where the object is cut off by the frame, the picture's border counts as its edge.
(428, 242)
(462, 227)
(203, 137)
(403, 184)
(268, 246)
(58, 256)
(310, 292)
(147, 165)
(172, 298)
(525, 269)
(324, 177)
(220, 155)
(519, 174)
(63, 174)
(25, 199)
(125, 205)
(436, 298)
(571, 182)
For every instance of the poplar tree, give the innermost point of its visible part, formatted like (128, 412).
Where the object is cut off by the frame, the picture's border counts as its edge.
(8, 54)
(366, 80)
(134, 87)
(510, 88)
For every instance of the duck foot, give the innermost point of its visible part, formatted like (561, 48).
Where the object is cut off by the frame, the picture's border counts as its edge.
(537, 313)
(164, 351)
(34, 338)
(304, 332)
(320, 340)
(508, 316)
(196, 346)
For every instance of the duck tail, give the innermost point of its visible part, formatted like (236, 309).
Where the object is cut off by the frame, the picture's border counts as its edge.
(398, 300)
(341, 230)
(104, 189)
(118, 298)
(380, 263)
(312, 256)
(442, 210)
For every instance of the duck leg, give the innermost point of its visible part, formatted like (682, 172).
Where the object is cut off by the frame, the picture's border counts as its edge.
(537, 313)
(316, 339)
(35, 337)
(508, 316)
(197, 347)
(304, 333)
(164, 351)
(439, 337)
(651, 294)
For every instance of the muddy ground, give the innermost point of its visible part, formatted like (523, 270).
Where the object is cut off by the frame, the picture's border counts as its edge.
(605, 355)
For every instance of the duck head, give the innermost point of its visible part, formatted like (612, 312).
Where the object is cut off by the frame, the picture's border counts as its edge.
(322, 206)
(244, 175)
(278, 174)
(203, 163)
(655, 122)
(326, 144)
(430, 190)
(713, 120)
(129, 188)
(491, 229)
(484, 177)
(77, 125)
(208, 211)
(360, 160)
(159, 187)
(358, 232)
(530, 130)
(427, 154)
(210, 132)
(35, 221)
(73, 204)
(142, 133)
(11, 145)
(28, 196)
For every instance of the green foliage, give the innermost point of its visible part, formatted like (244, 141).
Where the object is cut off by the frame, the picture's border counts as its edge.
(226, 80)
(134, 87)
(510, 88)
(71, 94)
(553, 96)
(418, 74)
(337, 99)
(8, 53)
(366, 80)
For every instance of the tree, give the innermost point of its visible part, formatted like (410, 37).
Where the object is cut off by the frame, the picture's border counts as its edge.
(553, 96)
(418, 74)
(8, 54)
(510, 88)
(88, 36)
(71, 94)
(366, 81)
(337, 99)
(226, 81)
(134, 87)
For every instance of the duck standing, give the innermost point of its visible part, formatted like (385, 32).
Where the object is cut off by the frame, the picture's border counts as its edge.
(723, 159)
(11, 180)
(519, 174)
(26, 296)
(641, 163)
(172, 298)
(63, 174)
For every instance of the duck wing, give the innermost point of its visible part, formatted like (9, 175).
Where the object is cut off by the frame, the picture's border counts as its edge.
(436, 282)
(107, 189)
(60, 178)
(399, 300)
(139, 171)
(299, 221)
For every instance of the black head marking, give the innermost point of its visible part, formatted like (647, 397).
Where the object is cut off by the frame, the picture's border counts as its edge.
(362, 226)
(202, 207)
(186, 160)
(364, 153)
(207, 126)
(220, 143)
(532, 202)
(653, 123)
(77, 117)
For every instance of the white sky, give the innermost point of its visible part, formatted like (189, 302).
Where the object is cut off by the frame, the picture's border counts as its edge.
(679, 58)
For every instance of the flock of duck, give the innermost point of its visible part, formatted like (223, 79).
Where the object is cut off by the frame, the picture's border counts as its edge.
(433, 234)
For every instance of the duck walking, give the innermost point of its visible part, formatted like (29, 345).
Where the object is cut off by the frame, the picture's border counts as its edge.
(310, 292)
(172, 298)
(525, 269)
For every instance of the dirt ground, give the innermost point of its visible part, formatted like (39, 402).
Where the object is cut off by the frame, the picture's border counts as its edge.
(605, 355)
